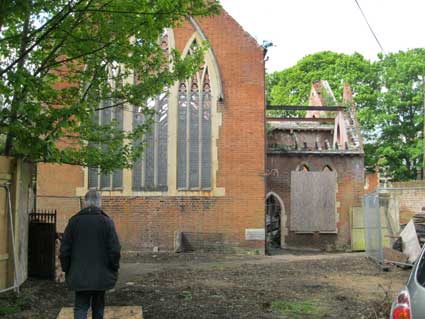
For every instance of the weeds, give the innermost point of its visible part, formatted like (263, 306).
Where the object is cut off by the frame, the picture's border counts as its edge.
(14, 304)
(297, 309)
(219, 266)
(7, 310)
(381, 309)
(187, 295)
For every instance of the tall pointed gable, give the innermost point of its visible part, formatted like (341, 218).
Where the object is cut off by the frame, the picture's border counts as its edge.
(320, 95)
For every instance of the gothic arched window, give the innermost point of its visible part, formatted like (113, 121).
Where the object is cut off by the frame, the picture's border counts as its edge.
(96, 179)
(327, 168)
(194, 131)
(150, 172)
(303, 168)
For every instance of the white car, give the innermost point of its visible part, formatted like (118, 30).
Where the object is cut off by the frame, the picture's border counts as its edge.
(410, 302)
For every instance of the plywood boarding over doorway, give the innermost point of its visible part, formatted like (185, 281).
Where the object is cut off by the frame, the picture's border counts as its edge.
(313, 201)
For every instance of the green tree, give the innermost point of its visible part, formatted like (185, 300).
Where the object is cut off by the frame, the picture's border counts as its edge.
(395, 123)
(292, 86)
(59, 59)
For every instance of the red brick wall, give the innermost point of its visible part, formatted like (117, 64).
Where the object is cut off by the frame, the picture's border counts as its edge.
(371, 182)
(146, 222)
(56, 190)
(411, 197)
(349, 193)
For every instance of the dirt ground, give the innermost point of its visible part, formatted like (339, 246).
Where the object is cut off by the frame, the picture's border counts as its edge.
(178, 286)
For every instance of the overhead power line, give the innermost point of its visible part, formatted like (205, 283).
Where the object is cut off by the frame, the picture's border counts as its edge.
(370, 27)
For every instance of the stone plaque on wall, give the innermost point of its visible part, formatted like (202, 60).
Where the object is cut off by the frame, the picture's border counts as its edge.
(255, 234)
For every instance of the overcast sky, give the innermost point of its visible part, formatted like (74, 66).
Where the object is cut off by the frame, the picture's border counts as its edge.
(301, 27)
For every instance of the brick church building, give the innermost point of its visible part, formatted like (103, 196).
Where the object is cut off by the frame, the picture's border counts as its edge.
(201, 179)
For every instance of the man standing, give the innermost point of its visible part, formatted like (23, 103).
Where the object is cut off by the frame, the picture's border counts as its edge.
(90, 256)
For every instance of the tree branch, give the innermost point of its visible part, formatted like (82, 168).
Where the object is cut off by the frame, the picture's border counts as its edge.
(49, 66)
(14, 104)
(60, 44)
(58, 125)
(87, 53)
(86, 91)
(111, 106)
(136, 12)
(37, 30)
(23, 54)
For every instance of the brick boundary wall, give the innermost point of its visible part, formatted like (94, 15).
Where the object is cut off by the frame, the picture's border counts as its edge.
(411, 196)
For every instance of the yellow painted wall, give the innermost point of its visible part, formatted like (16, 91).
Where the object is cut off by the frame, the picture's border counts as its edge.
(357, 229)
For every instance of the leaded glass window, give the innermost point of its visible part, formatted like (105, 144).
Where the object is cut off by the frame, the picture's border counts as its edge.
(194, 132)
(150, 172)
(96, 179)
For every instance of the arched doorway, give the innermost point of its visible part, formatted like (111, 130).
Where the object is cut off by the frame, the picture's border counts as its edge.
(275, 219)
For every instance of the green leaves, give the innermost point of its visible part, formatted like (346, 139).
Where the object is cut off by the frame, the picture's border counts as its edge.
(72, 55)
(398, 115)
(292, 86)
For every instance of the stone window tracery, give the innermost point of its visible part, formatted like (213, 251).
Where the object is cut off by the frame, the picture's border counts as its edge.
(97, 179)
(194, 131)
(150, 172)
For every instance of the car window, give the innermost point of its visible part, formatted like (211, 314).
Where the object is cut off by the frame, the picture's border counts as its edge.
(420, 274)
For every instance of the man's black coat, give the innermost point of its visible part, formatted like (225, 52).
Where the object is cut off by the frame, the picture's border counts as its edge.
(90, 251)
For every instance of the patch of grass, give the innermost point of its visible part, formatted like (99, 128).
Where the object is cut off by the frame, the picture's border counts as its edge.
(297, 309)
(187, 295)
(12, 303)
(7, 310)
(219, 266)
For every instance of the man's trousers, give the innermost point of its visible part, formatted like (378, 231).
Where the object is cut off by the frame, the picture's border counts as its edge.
(86, 299)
